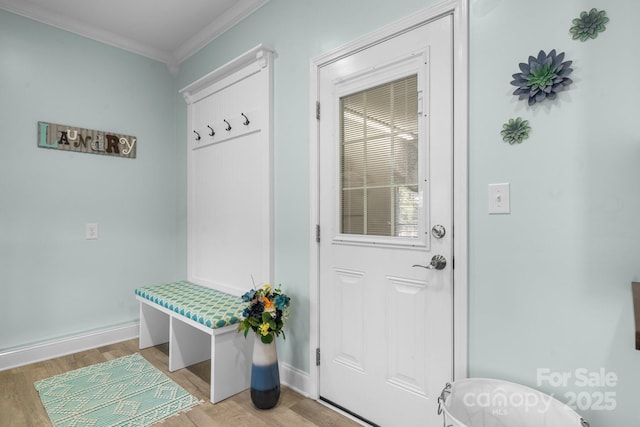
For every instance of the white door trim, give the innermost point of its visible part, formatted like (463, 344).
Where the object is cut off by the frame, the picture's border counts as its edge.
(459, 10)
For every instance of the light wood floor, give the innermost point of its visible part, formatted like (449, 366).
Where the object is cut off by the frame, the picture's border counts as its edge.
(21, 406)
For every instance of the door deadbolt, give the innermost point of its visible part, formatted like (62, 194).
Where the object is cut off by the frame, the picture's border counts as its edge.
(438, 231)
(438, 262)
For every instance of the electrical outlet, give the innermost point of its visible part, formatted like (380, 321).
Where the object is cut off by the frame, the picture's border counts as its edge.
(91, 231)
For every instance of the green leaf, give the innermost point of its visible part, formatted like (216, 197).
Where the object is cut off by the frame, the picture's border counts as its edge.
(266, 317)
(267, 339)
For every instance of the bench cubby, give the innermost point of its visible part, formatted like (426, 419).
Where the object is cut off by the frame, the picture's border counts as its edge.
(199, 323)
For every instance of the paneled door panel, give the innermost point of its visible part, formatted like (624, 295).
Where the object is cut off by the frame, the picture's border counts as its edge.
(386, 144)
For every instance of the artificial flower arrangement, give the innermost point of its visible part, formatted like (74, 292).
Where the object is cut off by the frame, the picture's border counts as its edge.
(266, 310)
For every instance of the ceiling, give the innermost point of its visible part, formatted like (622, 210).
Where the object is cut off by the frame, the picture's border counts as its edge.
(168, 31)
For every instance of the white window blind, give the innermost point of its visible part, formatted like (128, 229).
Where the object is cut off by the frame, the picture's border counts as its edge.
(379, 160)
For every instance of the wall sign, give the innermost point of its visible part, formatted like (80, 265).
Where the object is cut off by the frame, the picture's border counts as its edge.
(71, 138)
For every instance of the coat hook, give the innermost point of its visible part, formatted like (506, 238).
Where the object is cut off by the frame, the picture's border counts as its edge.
(212, 132)
(197, 135)
(246, 119)
(228, 128)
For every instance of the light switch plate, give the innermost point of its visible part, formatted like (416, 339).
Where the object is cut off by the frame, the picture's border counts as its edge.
(91, 231)
(499, 198)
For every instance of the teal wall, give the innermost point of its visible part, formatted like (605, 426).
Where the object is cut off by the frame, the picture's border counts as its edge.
(549, 284)
(54, 282)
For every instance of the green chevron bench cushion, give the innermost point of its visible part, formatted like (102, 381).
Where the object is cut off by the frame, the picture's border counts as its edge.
(210, 307)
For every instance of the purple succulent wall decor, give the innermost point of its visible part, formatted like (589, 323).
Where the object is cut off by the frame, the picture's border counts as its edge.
(589, 24)
(542, 77)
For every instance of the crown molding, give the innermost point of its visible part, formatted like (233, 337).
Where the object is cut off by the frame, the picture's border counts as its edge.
(75, 26)
(226, 21)
(172, 59)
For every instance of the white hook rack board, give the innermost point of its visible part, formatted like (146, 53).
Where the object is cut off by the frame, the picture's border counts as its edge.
(238, 129)
(230, 174)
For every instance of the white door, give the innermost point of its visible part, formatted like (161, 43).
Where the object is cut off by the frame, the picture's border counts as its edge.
(386, 162)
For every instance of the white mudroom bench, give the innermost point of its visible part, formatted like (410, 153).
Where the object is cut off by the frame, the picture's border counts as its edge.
(199, 323)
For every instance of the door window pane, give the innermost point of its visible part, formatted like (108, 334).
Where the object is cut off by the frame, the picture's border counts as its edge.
(379, 160)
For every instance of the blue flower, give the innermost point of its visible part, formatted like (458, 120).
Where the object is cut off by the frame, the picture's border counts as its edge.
(248, 296)
(281, 301)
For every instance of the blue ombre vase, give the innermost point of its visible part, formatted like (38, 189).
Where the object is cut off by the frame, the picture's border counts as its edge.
(265, 376)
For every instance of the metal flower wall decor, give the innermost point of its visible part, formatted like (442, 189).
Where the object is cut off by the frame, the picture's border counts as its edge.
(542, 77)
(515, 130)
(589, 24)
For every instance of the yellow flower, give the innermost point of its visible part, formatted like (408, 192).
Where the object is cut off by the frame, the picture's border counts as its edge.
(267, 287)
(264, 329)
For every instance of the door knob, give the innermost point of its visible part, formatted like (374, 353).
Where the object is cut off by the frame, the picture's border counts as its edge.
(438, 231)
(438, 262)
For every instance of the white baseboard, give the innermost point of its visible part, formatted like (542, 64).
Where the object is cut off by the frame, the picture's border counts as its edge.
(69, 345)
(297, 380)
(294, 378)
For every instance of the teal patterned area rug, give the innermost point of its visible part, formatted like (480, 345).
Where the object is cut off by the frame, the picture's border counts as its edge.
(127, 391)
